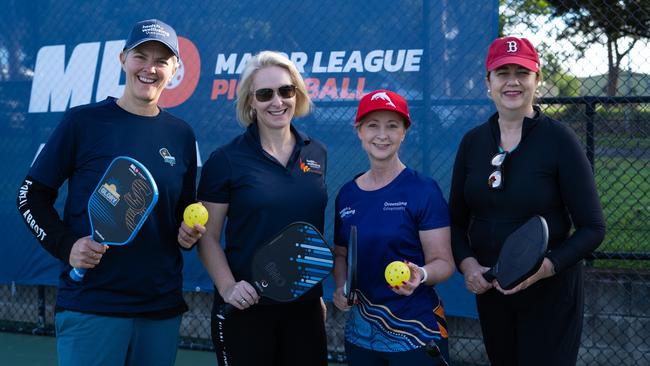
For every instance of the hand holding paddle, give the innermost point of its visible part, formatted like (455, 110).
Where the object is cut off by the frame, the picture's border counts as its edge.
(123, 199)
(521, 255)
(288, 266)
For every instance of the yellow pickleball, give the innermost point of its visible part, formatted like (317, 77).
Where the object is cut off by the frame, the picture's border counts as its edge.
(195, 213)
(396, 273)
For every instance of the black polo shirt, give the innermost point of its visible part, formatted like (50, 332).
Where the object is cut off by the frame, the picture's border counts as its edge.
(263, 195)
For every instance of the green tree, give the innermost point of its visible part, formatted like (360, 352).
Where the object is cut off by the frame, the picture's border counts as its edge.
(616, 24)
(561, 83)
(611, 23)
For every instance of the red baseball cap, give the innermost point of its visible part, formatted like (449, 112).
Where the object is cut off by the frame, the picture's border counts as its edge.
(512, 50)
(383, 100)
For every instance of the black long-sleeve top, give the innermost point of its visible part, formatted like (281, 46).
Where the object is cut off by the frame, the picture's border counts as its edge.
(547, 174)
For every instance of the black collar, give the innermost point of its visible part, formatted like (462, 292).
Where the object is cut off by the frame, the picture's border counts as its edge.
(528, 125)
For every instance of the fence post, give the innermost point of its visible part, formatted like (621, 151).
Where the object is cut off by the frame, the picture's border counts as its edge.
(591, 115)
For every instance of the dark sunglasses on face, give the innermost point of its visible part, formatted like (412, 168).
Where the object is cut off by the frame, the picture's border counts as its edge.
(495, 180)
(266, 94)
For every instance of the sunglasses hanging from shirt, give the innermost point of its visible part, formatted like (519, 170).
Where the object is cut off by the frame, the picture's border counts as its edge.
(266, 94)
(495, 180)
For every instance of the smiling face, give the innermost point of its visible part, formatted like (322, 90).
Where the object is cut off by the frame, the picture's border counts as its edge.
(277, 112)
(148, 68)
(512, 88)
(381, 134)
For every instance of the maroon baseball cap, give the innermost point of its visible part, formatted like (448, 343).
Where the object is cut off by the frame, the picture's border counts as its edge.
(512, 50)
(383, 100)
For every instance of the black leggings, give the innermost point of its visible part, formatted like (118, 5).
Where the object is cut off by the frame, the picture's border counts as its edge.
(538, 326)
(284, 334)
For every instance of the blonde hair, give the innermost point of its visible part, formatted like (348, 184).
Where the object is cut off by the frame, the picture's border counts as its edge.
(245, 112)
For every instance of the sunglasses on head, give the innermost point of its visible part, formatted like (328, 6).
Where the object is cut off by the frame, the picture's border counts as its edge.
(495, 180)
(266, 94)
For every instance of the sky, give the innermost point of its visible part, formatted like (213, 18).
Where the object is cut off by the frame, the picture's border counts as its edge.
(594, 61)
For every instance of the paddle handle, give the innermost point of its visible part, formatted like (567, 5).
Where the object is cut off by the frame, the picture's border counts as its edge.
(77, 274)
(224, 310)
(489, 275)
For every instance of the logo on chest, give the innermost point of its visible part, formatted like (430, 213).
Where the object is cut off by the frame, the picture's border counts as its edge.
(167, 157)
(395, 206)
(310, 166)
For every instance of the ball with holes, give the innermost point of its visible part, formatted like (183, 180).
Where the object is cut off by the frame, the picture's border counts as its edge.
(195, 213)
(397, 273)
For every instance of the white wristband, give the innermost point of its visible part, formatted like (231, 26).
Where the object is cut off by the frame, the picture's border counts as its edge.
(425, 275)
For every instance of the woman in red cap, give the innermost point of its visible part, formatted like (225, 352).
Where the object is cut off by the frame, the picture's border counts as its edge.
(518, 164)
(400, 215)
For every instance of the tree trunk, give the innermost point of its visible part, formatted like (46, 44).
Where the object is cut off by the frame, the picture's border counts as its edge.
(612, 69)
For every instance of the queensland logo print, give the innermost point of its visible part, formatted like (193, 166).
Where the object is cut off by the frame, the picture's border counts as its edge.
(384, 96)
(512, 47)
(348, 211)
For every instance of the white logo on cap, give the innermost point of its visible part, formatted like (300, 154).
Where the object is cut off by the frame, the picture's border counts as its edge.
(512, 46)
(383, 96)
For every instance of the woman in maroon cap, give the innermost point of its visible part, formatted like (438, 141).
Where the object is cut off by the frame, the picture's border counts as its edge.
(400, 215)
(519, 164)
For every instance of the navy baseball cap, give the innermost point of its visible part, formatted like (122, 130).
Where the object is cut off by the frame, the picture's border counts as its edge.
(153, 30)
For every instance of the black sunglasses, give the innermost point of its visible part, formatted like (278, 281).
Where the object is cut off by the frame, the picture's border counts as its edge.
(495, 180)
(266, 94)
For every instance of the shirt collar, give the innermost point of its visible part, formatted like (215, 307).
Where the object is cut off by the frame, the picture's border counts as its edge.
(529, 124)
(253, 131)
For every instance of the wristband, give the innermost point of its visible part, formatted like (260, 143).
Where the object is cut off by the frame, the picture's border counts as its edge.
(425, 275)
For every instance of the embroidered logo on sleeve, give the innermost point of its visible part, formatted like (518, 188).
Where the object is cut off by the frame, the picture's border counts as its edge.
(346, 212)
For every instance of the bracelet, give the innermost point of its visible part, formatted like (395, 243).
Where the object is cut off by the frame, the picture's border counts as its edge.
(425, 275)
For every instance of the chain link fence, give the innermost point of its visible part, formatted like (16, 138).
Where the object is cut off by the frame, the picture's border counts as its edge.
(596, 79)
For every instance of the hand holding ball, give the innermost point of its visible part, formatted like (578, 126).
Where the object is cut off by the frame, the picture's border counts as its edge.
(195, 213)
(397, 273)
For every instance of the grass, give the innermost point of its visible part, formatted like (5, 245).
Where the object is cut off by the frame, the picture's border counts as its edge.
(624, 187)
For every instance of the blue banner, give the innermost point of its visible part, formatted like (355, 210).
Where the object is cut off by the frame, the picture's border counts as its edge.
(58, 54)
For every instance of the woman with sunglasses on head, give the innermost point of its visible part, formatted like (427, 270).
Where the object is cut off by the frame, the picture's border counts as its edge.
(263, 180)
(519, 164)
(127, 309)
(400, 215)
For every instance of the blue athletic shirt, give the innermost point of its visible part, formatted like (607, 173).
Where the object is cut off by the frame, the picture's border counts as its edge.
(263, 195)
(143, 277)
(388, 222)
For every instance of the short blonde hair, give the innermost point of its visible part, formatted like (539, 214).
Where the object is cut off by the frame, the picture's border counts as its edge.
(245, 113)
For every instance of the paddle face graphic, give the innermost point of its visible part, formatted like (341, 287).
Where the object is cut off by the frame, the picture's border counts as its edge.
(123, 199)
(289, 265)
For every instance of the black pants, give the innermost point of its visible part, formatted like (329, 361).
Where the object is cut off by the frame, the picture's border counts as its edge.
(281, 335)
(538, 326)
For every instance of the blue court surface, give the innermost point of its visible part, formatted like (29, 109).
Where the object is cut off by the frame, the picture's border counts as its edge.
(28, 350)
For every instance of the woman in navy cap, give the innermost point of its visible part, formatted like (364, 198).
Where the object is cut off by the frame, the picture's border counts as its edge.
(127, 309)
(400, 215)
(518, 164)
